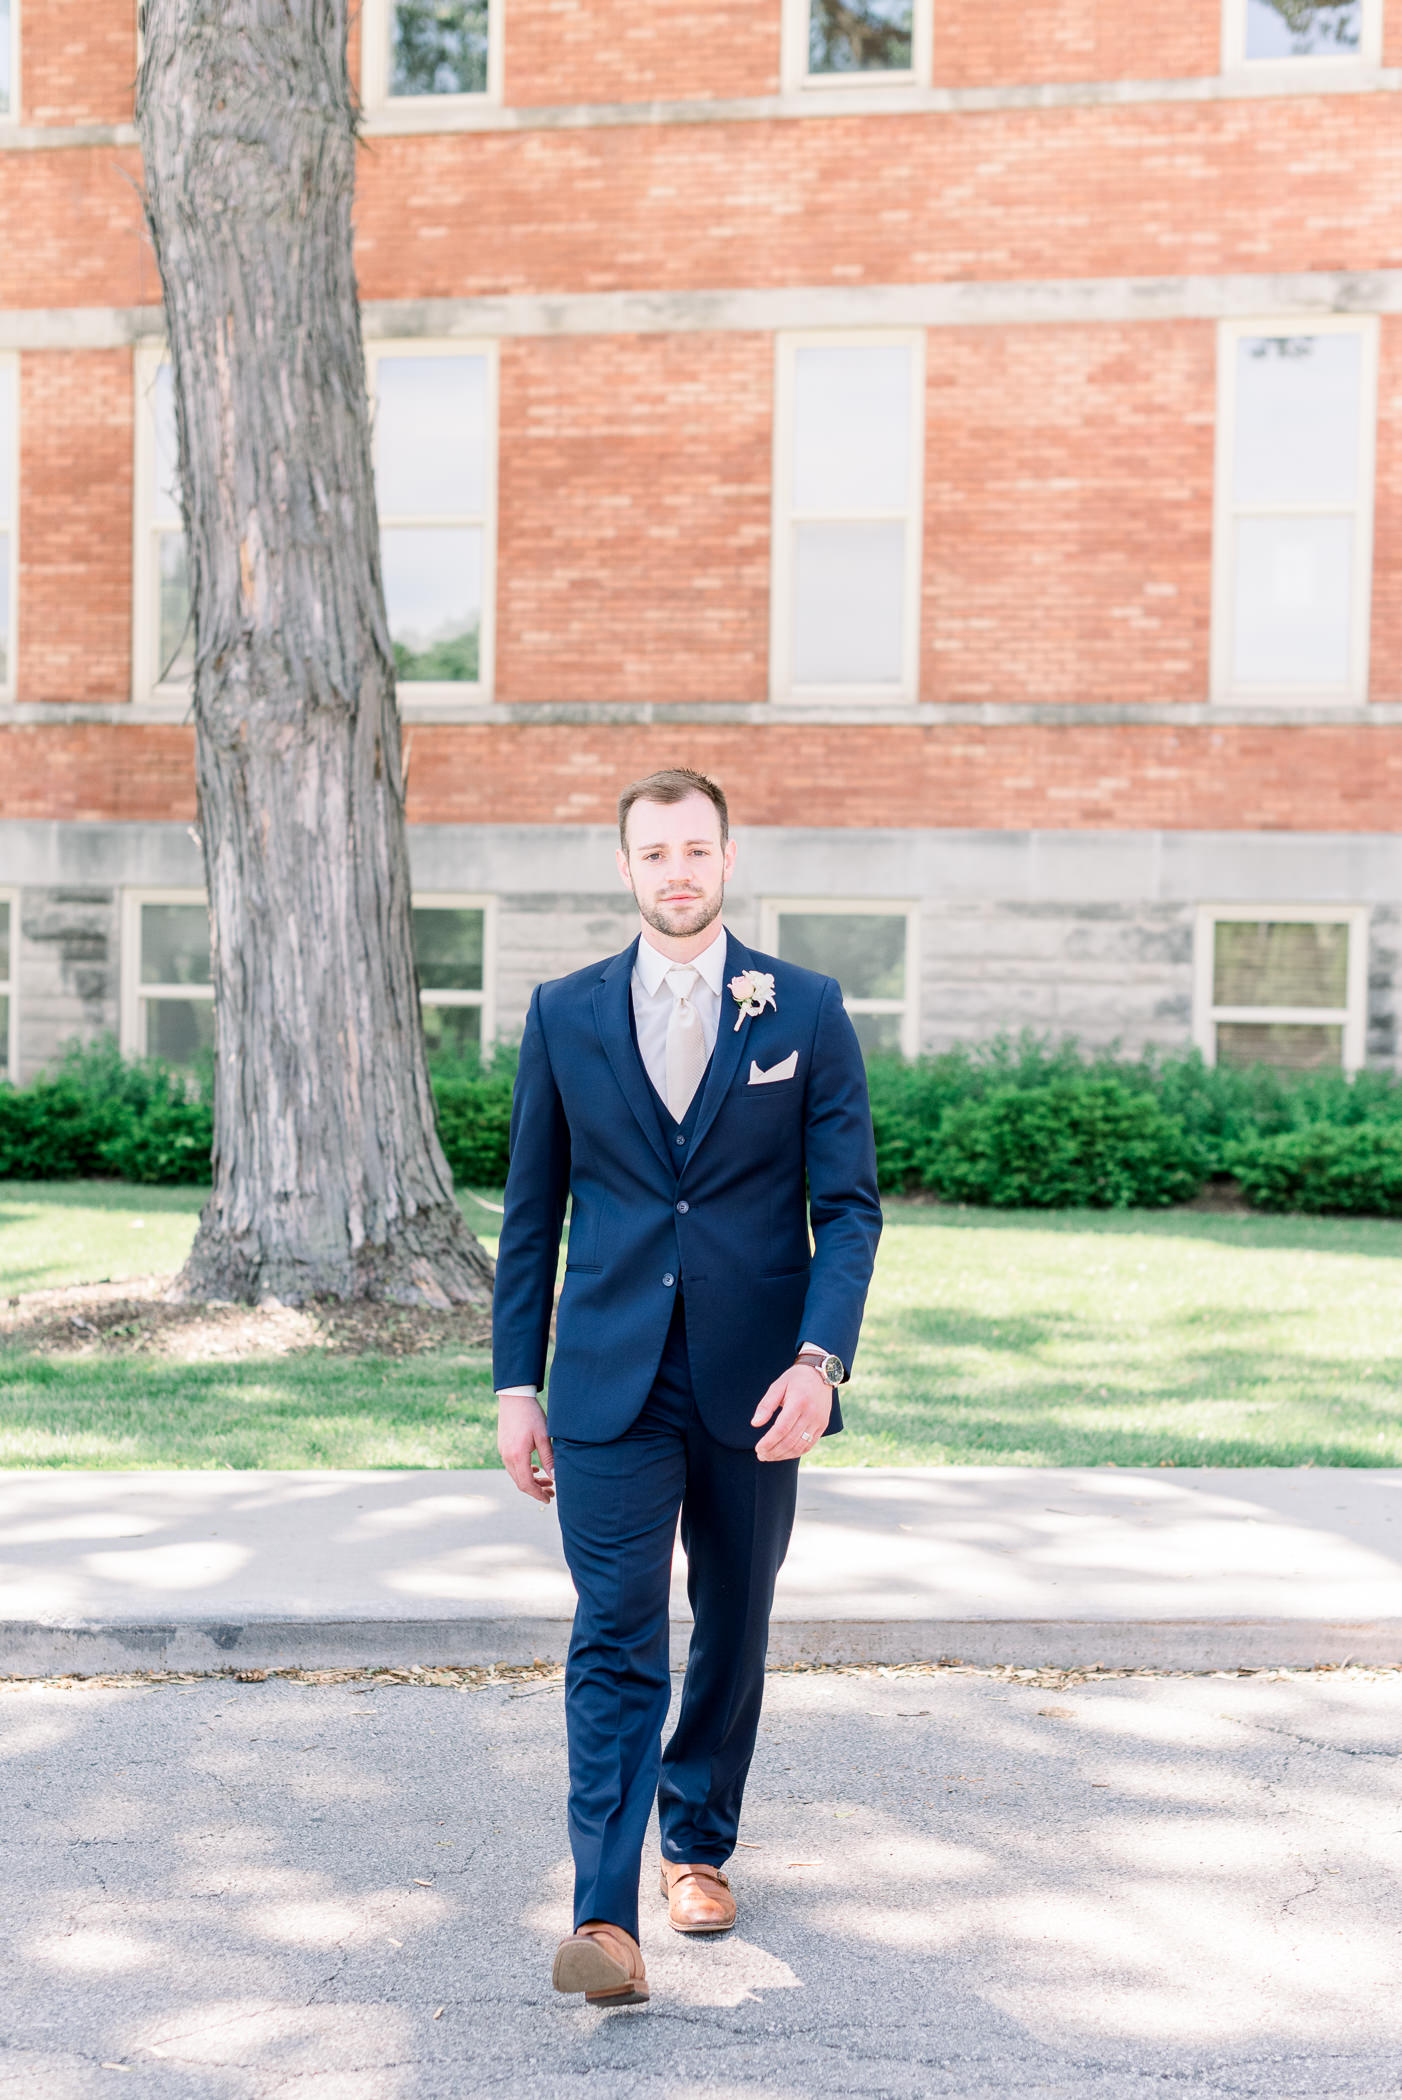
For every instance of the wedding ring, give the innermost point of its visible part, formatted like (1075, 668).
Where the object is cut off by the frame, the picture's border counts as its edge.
(805, 1436)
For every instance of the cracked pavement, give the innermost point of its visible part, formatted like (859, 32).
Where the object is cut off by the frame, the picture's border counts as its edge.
(953, 1883)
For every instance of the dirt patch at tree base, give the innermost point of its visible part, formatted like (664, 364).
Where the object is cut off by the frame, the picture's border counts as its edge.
(137, 1318)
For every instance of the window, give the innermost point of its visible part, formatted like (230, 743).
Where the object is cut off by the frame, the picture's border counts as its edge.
(434, 407)
(848, 447)
(9, 508)
(9, 1005)
(843, 43)
(167, 996)
(452, 939)
(9, 59)
(1291, 32)
(869, 948)
(163, 636)
(1294, 504)
(1282, 985)
(434, 59)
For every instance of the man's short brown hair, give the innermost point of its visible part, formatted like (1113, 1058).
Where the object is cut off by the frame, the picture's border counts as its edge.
(672, 784)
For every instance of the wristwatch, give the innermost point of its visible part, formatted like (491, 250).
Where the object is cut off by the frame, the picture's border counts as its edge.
(830, 1368)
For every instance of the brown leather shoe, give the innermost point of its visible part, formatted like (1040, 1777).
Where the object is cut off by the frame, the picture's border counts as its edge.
(604, 1962)
(698, 1898)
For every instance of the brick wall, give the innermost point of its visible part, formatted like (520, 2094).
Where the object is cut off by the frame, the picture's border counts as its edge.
(77, 61)
(635, 494)
(622, 51)
(983, 43)
(1068, 514)
(75, 539)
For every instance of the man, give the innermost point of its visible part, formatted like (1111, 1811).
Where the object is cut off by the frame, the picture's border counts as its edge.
(698, 1105)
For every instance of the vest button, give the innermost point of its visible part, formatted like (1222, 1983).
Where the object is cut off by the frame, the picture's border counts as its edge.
(680, 1139)
(669, 1278)
(683, 1206)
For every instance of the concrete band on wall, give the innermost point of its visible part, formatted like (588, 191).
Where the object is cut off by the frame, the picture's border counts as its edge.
(1089, 933)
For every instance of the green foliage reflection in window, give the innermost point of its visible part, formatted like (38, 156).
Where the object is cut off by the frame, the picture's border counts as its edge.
(860, 36)
(439, 47)
(1303, 28)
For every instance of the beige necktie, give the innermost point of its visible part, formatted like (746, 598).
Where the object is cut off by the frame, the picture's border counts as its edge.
(686, 1042)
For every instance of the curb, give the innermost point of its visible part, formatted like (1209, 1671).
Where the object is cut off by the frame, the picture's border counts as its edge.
(34, 1648)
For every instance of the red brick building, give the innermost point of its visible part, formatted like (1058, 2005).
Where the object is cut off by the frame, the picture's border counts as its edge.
(972, 429)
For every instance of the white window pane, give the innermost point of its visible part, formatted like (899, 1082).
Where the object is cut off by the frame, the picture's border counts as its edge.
(175, 630)
(1293, 593)
(852, 428)
(1302, 28)
(4, 608)
(433, 593)
(1280, 962)
(174, 944)
(448, 947)
(849, 590)
(1297, 418)
(5, 1072)
(1291, 1046)
(179, 1031)
(859, 36)
(165, 496)
(864, 951)
(5, 941)
(439, 47)
(5, 20)
(9, 418)
(430, 436)
(452, 1031)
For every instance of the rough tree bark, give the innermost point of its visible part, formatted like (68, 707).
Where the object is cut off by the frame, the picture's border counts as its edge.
(328, 1175)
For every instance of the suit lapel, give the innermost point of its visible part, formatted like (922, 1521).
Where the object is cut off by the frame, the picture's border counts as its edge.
(730, 1043)
(611, 996)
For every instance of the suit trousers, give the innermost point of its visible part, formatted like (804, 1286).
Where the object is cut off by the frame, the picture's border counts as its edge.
(618, 1505)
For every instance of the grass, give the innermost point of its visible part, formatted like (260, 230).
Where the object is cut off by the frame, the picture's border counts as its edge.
(1072, 1338)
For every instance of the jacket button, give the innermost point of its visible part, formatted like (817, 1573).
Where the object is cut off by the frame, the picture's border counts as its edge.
(683, 1207)
(669, 1278)
(680, 1139)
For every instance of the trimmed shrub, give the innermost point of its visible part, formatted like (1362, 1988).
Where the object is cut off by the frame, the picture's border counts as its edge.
(474, 1117)
(1325, 1167)
(1085, 1142)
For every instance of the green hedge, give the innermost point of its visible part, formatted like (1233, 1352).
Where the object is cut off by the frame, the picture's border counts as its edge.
(1325, 1167)
(100, 1113)
(1014, 1123)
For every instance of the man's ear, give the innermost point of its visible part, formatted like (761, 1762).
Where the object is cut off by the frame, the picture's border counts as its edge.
(729, 861)
(624, 872)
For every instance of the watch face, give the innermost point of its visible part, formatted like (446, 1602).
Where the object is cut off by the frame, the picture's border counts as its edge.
(832, 1369)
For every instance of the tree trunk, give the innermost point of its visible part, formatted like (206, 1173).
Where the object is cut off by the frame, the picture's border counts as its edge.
(328, 1175)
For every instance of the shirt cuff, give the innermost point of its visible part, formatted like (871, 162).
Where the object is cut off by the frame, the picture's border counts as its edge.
(517, 1392)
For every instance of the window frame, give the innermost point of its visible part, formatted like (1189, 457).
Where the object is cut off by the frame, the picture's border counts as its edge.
(446, 693)
(1226, 510)
(438, 112)
(12, 114)
(172, 696)
(485, 1000)
(772, 909)
(1351, 1017)
(10, 386)
(9, 986)
(782, 689)
(1316, 68)
(134, 994)
(796, 78)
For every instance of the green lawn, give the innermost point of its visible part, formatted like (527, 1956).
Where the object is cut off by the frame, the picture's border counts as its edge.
(992, 1338)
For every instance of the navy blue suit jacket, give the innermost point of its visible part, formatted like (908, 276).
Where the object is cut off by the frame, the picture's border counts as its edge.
(730, 1228)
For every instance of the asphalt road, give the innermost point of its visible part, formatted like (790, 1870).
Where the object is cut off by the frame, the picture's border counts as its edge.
(954, 1884)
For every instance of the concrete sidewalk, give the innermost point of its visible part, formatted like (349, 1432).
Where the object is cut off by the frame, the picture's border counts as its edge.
(1199, 1569)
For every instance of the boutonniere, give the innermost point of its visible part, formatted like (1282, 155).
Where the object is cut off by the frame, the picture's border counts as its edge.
(752, 991)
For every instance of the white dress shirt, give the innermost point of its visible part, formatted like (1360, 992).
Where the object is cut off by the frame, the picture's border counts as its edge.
(653, 1001)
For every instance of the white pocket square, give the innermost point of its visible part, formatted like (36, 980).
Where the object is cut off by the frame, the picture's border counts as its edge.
(784, 1071)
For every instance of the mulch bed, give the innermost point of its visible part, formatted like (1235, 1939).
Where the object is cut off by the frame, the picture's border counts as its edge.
(137, 1318)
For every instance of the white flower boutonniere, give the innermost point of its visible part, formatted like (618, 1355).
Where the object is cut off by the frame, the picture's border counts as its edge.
(752, 991)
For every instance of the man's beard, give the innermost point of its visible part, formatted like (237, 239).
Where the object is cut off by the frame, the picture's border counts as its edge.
(697, 913)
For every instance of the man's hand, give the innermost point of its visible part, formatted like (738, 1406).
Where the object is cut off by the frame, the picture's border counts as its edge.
(803, 1399)
(521, 1431)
